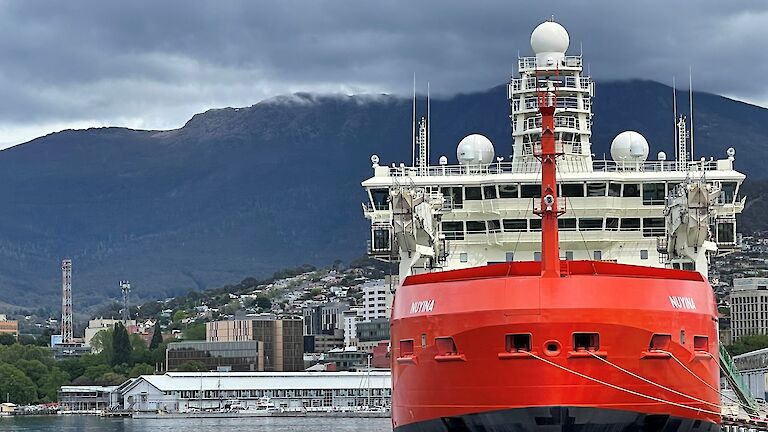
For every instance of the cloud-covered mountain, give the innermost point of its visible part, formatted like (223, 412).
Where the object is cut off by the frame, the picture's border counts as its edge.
(246, 191)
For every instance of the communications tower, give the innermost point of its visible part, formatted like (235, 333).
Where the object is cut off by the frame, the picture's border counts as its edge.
(125, 287)
(67, 333)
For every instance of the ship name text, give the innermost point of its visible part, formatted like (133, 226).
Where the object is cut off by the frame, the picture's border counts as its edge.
(682, 302)
(422, 306)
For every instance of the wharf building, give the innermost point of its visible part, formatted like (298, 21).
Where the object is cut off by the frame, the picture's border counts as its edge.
(84, 399)
(9, 326)
(297, 391)
(281, 346)
(242, 356)
(749, 307)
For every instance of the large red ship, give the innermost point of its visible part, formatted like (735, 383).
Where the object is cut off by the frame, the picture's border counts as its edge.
(553, 344)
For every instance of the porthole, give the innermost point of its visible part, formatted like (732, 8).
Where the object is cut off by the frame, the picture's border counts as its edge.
(552, 348)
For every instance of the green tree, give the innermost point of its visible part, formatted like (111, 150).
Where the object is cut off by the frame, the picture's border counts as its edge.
(746, 344)
(179, 315)
(121, 345)
(17, 386)
(141, 369)
(7, 339)
(192, 366)
(49, 385)
(34, 369)
(110, 378)
(195, 332)
(94, 372)
(157, 337)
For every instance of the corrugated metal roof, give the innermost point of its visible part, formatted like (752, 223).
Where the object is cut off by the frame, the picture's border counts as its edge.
(180, 381)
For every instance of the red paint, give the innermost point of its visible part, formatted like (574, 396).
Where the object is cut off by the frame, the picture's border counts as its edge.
(548, 210)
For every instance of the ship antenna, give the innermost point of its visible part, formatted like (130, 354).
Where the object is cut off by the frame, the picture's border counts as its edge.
(413, 125)
(674, 114)
(548, 209)
(429, 126)
(690, 93)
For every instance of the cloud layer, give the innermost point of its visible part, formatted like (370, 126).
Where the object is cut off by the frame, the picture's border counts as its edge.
(149, 64)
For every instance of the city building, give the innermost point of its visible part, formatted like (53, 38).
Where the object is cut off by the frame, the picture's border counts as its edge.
(84, 399)
(242, 356)
(183, 392)
(749, 307)
(348, 358)
(283, 339)
(371, 333)
(377, 300)
(99, 324)
(9, 326)
(323, 318)
(350, 319)
(322, 343)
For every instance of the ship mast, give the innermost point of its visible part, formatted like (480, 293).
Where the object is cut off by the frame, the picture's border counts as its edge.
(548, 208)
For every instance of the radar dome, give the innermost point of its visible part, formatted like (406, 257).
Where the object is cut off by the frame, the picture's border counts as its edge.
(629, 146)
(550, 37)
(475, 149)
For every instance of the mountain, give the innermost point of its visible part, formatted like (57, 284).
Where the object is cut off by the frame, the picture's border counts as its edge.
(244, 191)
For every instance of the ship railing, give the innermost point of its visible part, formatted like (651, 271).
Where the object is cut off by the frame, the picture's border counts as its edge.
(529, 63)
(522, 167)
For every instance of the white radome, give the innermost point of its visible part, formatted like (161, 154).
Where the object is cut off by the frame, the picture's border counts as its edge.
(550, 37)
(475, 149)
(629, 146)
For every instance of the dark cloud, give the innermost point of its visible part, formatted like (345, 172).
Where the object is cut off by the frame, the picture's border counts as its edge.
(153, 64)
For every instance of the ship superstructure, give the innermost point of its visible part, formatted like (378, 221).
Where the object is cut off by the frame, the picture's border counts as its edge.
(479, 211)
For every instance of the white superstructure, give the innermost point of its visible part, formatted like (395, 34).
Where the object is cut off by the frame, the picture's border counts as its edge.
(480, 211)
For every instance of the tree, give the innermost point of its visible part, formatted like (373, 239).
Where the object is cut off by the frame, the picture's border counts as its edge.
(157, 337)
(141, 369)
(110, 378)
(746, 344)
(192, 366)
(195, 332)
(49, 385)
(7, 339)
(17, 386)
(179, 315)
(121, 345)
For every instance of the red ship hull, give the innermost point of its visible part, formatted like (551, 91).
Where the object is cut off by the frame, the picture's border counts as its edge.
(456, 365)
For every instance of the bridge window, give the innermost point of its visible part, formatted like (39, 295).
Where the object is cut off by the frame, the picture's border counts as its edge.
(614, 189)
(653, 193)
(727, 192)
(632, 190)
(586, 341)
(475, 227)
(489, 192)
(453, 194)
(572, 190)
(381, 239)
(726, 232)
(494, 225)
(508, 191)
(612, 224)
(630, 224)
(595, 189)
(518, 342)
(473, 193)
(535, 224)
(380, 199)
(653, 227)
(515, 225)
(567, 224)
(530, 191)
(453, 230)
(590, 224)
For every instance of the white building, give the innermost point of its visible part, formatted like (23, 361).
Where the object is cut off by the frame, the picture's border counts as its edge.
(377, 300)
(184, 391)
(749, 306)
(99, 324)
(350, 319)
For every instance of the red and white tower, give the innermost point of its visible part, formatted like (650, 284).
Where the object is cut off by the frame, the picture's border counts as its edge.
(67, 333)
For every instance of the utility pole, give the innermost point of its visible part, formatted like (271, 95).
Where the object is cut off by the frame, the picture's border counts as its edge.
(125, 287)
(67, 332)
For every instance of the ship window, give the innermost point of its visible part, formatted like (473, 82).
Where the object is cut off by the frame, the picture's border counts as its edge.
(614, 189)
(586, 342)
(445, 346)
(489, 192)
(682, 337)
(595, 189)
(453, 194)
(630, 224)
(473, 193)
(380, 199)
(510, 256)
(653, 227)
(567, 224)
(494, 225)
(725, 232)
(660, 342)
(569, 255)
(590, 224)
(475, 227)
(537, 256)
(453, 230)
(643, 254)
(727, 192)
(508, 191)
(463, 257)
(530, 191)
(380, 239)
(700, 343)
(612, 224)
(518, 342)
(513, 225)
(653, 193)
(535, 224)
(406, 348)
(632, 190)
(597, 255)
(572, 190)
(423, 340)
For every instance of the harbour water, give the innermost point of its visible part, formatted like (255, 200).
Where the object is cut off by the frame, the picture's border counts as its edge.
(266, 424)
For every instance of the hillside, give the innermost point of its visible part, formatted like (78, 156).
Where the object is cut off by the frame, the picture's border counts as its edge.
(244, 191)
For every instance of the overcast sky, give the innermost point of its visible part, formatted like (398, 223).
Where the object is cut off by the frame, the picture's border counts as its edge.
(153, 64)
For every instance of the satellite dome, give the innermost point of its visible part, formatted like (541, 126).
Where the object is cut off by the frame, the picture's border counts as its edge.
(629, 146)
(475, 149)
(550, 37)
